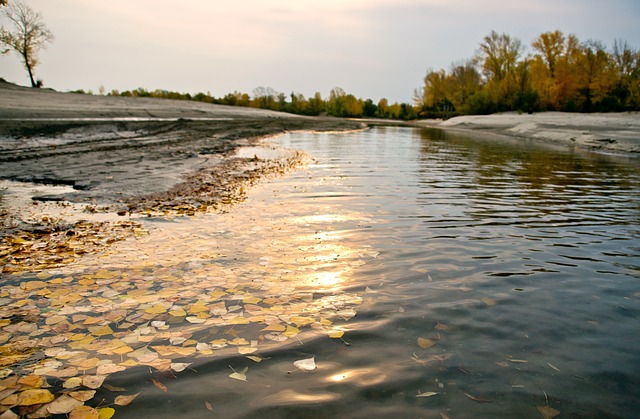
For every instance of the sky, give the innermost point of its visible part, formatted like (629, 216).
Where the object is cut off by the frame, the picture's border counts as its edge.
(370, 48)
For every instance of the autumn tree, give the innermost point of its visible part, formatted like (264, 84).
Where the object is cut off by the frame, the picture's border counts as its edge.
(28, 34)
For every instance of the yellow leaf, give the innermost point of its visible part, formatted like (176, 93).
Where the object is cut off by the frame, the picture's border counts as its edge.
(548, 412)
(195, 320)
(425, 343)
(251, 300)
(441, 327)
(178, 312)
(129, 363)
(106, 413)
(275, 327)
(157, 309)
(217, 294)
(84, 412)
(31, 381)
(291, 331)
(239, 320)
(239, 341)
(245, 350)
(105, 274)
(336, 334)
(38, 396)
(101, 331)
(72, 382)
(85, 364)
(122, 350)
(301, 321)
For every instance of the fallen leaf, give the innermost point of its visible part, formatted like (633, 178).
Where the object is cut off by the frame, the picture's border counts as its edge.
(93, 381)
(31, 397)
(477, 399)
(441, 327)
(159, 385)
(488, 301)
(427, 394)
(63, 405)
(124, 400)
(106, 413)
(84, 412)
(113, 388)
(425, 343)
(208, 406)
(336, 334)
(548, 412)
(553, 366)
(179, 366)
(82, 395)
(72, 382)
(308, 364)
(242, 376)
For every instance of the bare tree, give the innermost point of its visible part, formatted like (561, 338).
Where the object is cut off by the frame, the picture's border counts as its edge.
(29, 34)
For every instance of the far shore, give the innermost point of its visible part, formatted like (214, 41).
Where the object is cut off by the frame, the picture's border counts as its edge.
(104, 159)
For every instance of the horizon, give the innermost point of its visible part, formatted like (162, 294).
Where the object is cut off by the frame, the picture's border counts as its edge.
(371, 49)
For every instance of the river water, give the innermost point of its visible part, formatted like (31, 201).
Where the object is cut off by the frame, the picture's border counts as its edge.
(426, 274)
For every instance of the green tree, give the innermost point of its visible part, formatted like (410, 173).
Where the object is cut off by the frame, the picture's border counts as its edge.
(28, 35)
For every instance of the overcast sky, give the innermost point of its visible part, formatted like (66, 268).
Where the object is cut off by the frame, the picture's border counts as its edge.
(370, 48)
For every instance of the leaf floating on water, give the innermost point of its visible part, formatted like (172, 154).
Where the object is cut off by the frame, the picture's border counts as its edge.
(36, 396)
(180, 366)
(241, 376)
(336, 334)
(209, 406)
(84, 412)
(425, 343)
(428, 394)
(518, 361)
(275, 327)
(308, 364)
(477, 399)
(548, 412)
(488, 301)
(83, 395)
(255, 358)
(124, 400)
(503, 364)
(63, 405)
(160, 386)
(93, 381)
(553, 366)
(106, 413)
(113, 388)
(441, 327)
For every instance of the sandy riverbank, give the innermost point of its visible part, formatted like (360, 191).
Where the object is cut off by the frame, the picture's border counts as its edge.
(608, 133)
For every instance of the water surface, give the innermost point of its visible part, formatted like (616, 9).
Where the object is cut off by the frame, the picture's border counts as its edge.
(427, 274)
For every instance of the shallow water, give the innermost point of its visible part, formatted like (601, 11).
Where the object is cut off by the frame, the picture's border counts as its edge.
(470, 279)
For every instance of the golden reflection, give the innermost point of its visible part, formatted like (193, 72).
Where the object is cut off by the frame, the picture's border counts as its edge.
(360, 377)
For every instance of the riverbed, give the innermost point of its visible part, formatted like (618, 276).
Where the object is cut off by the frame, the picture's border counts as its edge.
(404, 272)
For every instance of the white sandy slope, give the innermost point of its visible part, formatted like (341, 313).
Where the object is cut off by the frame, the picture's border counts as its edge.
(604, 132)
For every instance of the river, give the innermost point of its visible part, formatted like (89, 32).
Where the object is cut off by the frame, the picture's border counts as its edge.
(403, 273)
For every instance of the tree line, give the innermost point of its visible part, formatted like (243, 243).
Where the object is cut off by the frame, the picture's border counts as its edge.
(561, 74)
(338, 103)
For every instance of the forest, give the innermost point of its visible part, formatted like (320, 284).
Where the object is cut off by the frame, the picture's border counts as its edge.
(560, 74)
